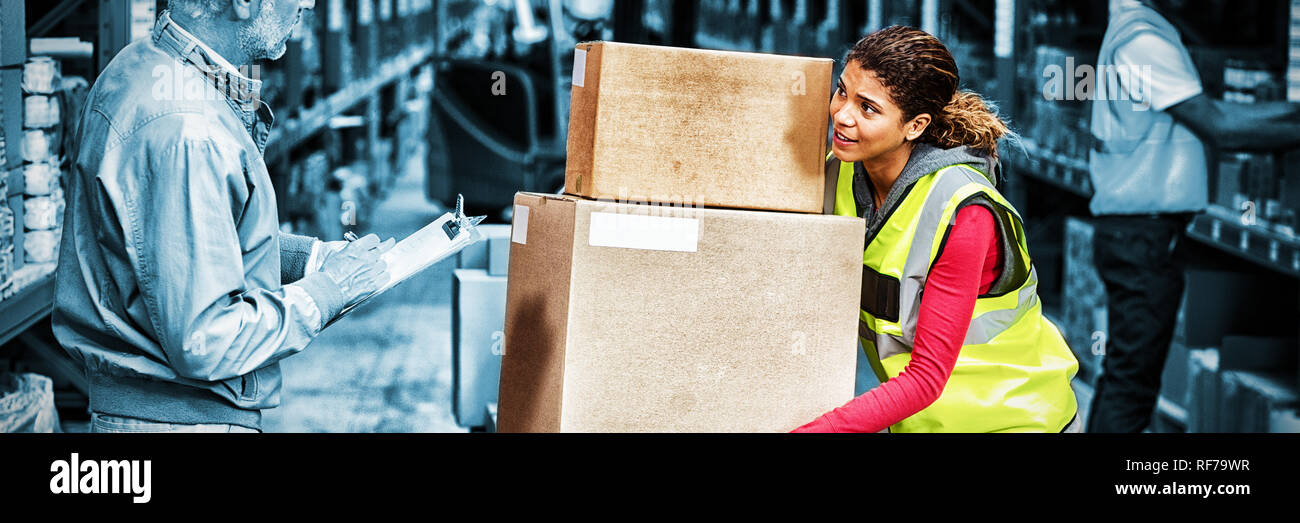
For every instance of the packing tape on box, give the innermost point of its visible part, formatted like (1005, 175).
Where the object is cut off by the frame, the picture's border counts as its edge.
(42, 246)
(40, 111)
(579, 67)
(38, 146)
(519, 230)
(42, 212)
(40, 179)
(40, 75)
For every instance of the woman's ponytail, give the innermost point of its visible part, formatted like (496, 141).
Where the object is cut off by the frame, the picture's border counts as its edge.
(967, 120)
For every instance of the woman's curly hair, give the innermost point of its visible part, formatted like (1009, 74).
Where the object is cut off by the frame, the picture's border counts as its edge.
(921, 77)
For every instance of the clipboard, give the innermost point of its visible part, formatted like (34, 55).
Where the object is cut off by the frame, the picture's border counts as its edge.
(445, 236)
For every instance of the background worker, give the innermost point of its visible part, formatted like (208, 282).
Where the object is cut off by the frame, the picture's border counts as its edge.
(1149, 174)
(950, 316)
(176, 289)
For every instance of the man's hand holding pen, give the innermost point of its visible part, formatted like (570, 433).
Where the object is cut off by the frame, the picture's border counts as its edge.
(356, 266)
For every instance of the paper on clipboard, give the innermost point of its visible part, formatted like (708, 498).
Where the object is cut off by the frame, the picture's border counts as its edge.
(420, 250)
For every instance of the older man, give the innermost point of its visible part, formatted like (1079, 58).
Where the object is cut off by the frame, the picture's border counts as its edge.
(175, 287)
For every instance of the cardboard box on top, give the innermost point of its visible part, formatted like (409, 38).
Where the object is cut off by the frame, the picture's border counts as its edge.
(628, 318)
(700, 127)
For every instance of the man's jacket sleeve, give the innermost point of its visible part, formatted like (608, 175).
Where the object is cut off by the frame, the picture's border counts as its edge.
(212, 323)
(295, 252)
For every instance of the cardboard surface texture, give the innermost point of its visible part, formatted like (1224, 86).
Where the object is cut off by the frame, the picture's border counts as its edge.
(698, 127)
(754, 330)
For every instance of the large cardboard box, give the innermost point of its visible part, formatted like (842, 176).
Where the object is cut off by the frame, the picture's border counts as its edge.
(623, 318)
(478, 319)
(711, 128)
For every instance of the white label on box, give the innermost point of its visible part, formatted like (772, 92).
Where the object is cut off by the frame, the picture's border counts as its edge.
(519, 231)
(634, 231)
(579, 67)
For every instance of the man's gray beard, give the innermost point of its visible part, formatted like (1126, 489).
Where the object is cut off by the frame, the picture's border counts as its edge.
(257, 38)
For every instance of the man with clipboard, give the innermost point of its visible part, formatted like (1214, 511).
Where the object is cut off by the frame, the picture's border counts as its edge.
(175, 289)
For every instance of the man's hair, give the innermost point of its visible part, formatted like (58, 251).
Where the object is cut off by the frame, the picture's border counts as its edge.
(197, 9)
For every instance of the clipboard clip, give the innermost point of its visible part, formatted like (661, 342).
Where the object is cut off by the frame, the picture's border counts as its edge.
(459, 221)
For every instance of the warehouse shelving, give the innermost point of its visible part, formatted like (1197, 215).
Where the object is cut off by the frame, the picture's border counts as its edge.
(28, 306)
(1057, 169)
(1224, 229)
(293, 132)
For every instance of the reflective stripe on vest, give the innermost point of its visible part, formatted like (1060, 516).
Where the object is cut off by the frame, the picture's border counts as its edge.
(1014, 369)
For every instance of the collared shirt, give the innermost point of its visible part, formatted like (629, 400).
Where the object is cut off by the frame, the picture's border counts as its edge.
(1145, 161)
(215, 56)
(175, 287)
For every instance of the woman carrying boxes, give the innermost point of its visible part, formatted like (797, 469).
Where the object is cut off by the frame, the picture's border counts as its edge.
(950, 317)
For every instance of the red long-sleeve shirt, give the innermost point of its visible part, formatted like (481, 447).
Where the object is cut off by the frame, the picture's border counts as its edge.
(967, 267)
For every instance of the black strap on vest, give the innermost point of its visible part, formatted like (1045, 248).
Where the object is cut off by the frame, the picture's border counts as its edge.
(880, 294)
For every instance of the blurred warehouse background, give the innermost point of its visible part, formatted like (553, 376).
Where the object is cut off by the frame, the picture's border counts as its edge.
(387, 109)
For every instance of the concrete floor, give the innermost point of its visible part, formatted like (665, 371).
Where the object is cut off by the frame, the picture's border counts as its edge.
(387, 366)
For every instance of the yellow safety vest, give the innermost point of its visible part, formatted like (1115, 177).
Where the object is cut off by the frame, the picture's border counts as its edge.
(1014, 369)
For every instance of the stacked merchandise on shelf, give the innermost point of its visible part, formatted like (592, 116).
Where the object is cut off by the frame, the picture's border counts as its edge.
(43, 201)
(1059, 118)
(652, 297)
(1249, 185)
(306, 188)
(307, 37)
(416, 18)
(337, 51)
(389, 25)
(412, 130)
(1247, 385)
